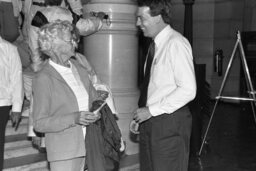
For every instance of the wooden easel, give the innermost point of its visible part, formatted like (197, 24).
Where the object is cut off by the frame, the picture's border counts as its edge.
(251, 91)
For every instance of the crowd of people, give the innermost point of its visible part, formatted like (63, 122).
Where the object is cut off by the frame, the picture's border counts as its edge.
(43, 76)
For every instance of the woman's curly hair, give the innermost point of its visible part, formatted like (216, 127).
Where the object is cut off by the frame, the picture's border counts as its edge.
(57, 29)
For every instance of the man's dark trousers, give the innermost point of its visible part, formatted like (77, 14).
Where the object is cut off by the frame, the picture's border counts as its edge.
(4, 114)
(164, 142)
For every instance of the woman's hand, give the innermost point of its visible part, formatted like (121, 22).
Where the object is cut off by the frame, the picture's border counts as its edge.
(102, 95)
(85, 118)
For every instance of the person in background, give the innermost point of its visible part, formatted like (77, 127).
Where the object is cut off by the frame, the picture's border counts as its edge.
(30, 8)
(63, 92)
(169, 84)
(9, 19)
(54, 11)
(11, 90)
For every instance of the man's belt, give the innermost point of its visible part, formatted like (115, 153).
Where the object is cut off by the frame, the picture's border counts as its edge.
(39, 4)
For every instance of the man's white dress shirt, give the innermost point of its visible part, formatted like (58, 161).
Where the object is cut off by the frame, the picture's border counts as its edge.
(172, 80)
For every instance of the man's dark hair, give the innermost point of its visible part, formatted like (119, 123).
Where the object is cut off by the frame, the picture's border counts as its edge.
(53, 2)
(158, 7)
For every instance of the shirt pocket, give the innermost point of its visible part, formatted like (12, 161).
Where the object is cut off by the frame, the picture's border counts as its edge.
(161, 73)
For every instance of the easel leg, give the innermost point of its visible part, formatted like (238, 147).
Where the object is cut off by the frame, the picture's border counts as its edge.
(208, 126)
(219, 95)
(248, 79)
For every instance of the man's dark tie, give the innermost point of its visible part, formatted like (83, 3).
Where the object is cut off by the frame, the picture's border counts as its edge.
(144, 87)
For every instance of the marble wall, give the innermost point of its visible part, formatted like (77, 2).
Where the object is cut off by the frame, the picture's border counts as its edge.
(250, 15)
(215, 24)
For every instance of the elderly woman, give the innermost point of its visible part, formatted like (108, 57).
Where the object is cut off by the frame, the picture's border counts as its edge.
(51, 11)
(63, 93)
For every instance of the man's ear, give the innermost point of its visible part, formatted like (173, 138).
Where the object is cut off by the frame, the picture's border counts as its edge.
(158, 19)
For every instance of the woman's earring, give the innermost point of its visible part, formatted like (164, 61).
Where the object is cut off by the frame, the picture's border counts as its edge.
(74, 43)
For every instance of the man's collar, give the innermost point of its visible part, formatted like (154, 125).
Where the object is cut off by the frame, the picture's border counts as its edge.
(162, 35)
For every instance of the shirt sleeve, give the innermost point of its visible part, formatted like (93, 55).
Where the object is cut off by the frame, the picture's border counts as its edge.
(76, 6)
(181, 61)
(17, 6)
(33, 44)
(16, 81)
(87, 26)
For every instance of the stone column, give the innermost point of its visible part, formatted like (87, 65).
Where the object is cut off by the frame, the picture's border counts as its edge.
(113, 52)
(188, 20)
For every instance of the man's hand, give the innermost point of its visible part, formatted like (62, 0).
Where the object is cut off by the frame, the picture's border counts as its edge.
(85, 118)
(15, 119)
(142, 114)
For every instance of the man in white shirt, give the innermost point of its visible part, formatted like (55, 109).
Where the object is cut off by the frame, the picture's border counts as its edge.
(165, 120)
(11, 90)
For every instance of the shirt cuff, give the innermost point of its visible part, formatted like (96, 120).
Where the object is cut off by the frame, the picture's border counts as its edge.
(16, 107)
(154, 110)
